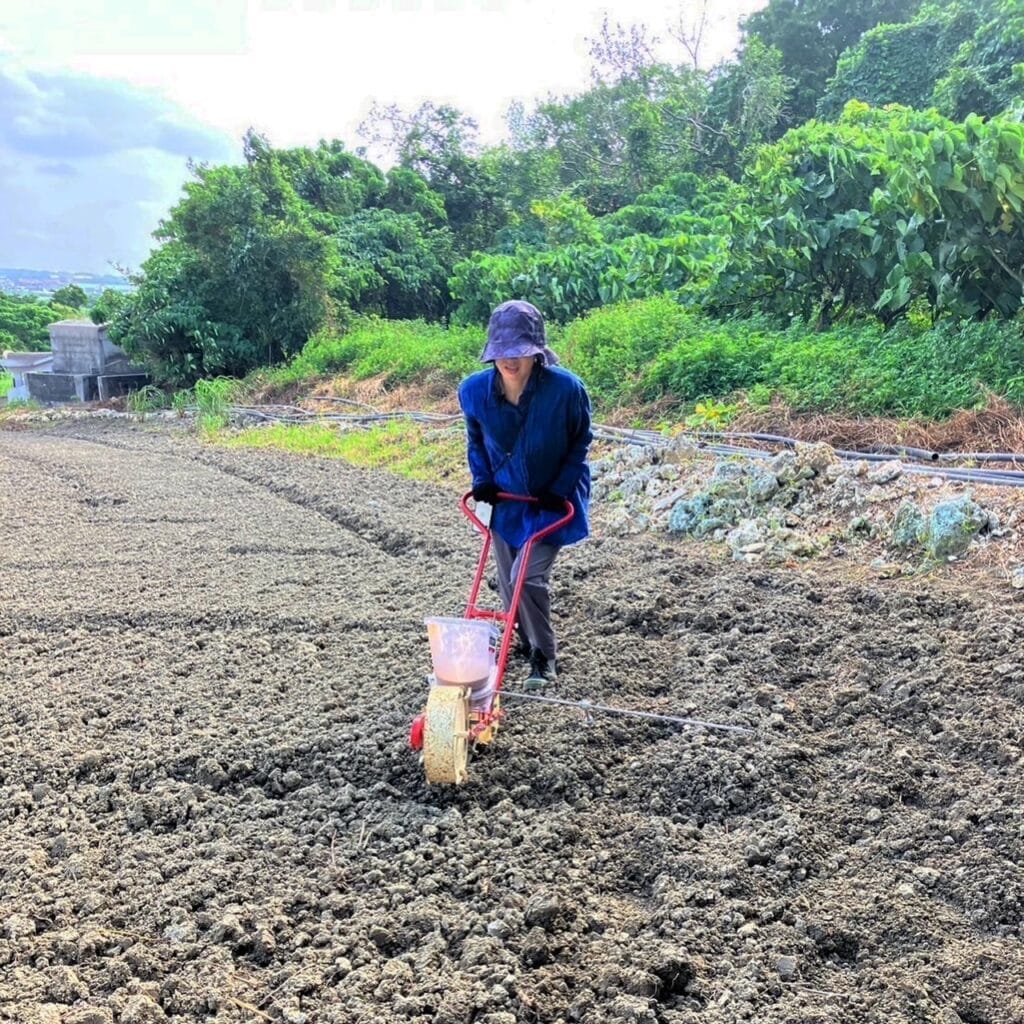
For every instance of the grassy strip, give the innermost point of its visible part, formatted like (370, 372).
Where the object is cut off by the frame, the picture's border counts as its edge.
(399, 447)
(654, 350)
(6, 383)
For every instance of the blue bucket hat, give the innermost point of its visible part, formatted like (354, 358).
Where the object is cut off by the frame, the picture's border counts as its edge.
(516, 329)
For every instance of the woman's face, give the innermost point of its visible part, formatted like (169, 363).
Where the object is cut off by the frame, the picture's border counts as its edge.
(515, 372)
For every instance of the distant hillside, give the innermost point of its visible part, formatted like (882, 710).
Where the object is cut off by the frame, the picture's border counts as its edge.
(19, 281)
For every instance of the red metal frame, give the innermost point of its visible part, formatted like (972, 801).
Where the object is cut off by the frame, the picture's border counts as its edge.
(473, 611)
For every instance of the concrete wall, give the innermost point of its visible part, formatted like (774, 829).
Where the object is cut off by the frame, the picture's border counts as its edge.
(62, 387)
(78, 347)
(86, 365)
(114, 385)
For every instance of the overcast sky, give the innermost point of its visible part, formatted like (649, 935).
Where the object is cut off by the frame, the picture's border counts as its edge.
(103, 102)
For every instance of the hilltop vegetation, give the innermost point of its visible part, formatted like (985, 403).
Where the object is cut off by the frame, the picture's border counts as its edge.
(24, 321)
(821, 258)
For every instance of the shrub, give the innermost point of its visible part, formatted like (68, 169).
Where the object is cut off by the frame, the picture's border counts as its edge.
(654, 349)
(398, 350)
(213, 401)
(612, 347)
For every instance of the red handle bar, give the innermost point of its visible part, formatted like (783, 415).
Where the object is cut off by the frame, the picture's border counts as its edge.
(570, 512)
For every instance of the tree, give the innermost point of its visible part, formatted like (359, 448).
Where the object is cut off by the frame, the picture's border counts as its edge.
(985, 75)
(748, 99)
(622, 137)
(71, 295)
(394, 264)
(167, 323)
(329, 178)
(958, 57)
(890, 64)
(24, 322)
(242, 276)
(408, 192)
(106, 306)
(811, 35)
(439, 143)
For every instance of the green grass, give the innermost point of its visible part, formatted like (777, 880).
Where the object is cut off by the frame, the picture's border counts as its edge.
(397, 446)
(398, 351)
(213, 401)
(6, 383)
(182, 400)
(146, 400)
(19, 405)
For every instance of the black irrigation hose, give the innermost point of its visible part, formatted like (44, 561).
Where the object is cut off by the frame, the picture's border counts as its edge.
(1015, 458)
(884, 451)
(903, 451)
(991, 477)
(1006, 477)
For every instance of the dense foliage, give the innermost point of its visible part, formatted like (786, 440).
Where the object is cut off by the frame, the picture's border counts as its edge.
(811, 35)
(24, 321)
(960, 58)
(706, 191)
(106, 305)
(885, 207)
(654, 350)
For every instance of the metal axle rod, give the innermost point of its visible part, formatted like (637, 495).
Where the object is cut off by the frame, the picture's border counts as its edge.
(587, 706)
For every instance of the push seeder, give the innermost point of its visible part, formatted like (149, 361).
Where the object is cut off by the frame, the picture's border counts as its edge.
(469, 658)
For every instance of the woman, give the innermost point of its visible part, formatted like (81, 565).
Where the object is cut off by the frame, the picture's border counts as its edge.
(528, 432)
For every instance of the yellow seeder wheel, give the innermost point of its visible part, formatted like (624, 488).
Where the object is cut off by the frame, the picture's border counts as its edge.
(445, 731)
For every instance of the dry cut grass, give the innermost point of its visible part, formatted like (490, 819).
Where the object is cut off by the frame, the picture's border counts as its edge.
(999, 427)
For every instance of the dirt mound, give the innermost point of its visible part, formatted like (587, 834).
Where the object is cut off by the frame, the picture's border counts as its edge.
(209, 812)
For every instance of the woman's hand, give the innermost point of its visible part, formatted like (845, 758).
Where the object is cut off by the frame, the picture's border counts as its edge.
(486, 492)
(551, 502)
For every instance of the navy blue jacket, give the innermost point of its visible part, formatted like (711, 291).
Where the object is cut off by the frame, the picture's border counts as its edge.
(538, 445)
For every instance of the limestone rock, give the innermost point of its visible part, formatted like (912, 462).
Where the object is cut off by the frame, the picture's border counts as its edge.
(728, 480)
(686, 514)
(748, 541)
(908, 526)
(886, 472)
(762, 484)
(953, 525)
(816, 457)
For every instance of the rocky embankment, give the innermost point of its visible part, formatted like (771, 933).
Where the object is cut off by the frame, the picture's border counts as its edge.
(807, 503)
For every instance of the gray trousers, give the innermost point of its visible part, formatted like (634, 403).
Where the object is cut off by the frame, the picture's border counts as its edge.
(535, 599)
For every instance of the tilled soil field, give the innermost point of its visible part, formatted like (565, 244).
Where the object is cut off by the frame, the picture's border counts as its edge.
(209, 811)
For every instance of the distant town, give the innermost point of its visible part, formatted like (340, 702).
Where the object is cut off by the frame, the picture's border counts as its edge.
(18, 281)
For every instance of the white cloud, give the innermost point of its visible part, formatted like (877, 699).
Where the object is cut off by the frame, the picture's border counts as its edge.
(88, 167)
(64, 115)
(120, 92)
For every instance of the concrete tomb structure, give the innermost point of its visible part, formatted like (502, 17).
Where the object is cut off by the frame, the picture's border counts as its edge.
(84, 364)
